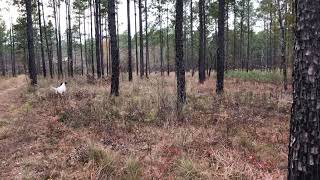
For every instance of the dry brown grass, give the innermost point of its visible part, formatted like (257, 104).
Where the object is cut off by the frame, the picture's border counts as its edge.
(240, 135)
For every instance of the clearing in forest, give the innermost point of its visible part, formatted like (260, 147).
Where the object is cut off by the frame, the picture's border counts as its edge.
(88, 134)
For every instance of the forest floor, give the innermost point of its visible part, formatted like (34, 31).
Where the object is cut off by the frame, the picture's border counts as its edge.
(86, 134)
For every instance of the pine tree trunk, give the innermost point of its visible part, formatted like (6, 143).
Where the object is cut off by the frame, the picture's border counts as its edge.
(234, 35)
(141, 40)
(85, 42)
(129, 42)
(97, 33)
(81, 50)
(283, 46)
(136, 37)
(201, 66)
(241, 35)
(57, 35)
(48, 46)
(114, 48)
(32, 65)
(12, 53)
(304, 144)
(180, 69)
(3, 71)
(205, 36)
(168, 48)
(101, 43)
(227, 62)
(221, 46)
(270, 40)
(91, 39)
(191, 37)
(147, 38)
(118, 34)
(110, 58)
(60, 68)
(70, 53)
(248, 38)
(107, 45)
(44, 69)
(161, 37)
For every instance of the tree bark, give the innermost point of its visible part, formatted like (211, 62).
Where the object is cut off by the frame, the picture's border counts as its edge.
(147, 37)
(97, 33)
(283, 46)
(3, 69)
(227, 63)
(91, 39)
(160, 36)
(221, 46)
(270, 39)
(114, 48)
(101, 41)
(85, 43)
(241, 34)
(234, 34)
(57, 36)
(304, 142)
(141, 40)
(12, 53)
(70, 53)
(44, 69)
(48, 46)
(191, 38)
(201, 66)
(81, 49)
(136, 37)
(180, 69)
(60, 68)
(168, 48)
(32, 65)
(248, 34)
(129, 42)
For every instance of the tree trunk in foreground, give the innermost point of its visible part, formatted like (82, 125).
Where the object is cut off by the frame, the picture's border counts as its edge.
(304, 142)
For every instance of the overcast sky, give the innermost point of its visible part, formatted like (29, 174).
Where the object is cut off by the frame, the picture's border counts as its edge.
(9, 14)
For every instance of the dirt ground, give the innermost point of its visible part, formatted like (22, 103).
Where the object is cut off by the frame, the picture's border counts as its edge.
(242, 135)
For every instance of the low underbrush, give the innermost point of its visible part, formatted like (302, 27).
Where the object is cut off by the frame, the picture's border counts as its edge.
(232, 136)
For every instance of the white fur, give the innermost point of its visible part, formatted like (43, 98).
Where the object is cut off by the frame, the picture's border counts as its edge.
(61, 89)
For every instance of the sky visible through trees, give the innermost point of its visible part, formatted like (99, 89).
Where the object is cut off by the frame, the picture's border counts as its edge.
(10, 14)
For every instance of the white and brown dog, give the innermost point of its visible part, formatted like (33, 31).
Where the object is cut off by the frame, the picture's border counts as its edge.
(61, 89)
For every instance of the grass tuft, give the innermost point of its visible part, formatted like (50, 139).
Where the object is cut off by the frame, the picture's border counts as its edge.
(186, 169)
(105, 160)
(132, 170)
